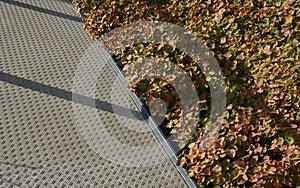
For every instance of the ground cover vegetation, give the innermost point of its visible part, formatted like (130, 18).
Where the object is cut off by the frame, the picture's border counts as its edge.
(256, 43)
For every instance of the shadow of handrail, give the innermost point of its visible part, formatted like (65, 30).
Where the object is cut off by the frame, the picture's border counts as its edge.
(20, 166)
(42, 10)
(70, 96)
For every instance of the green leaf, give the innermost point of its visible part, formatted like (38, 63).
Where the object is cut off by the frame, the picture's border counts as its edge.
(290, 140)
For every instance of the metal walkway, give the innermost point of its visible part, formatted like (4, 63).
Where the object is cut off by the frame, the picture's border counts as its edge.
(66, 120)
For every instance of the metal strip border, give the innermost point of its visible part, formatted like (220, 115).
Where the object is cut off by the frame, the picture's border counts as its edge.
(153, 125)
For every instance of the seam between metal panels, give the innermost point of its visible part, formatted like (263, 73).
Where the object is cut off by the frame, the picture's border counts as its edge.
(153, 125)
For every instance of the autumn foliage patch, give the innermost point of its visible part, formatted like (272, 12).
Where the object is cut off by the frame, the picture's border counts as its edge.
(256, 43)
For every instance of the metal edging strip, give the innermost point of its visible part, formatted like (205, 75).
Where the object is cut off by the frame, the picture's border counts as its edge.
(153, 125)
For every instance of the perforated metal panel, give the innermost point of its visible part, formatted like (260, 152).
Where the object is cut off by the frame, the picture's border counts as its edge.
(42, 44)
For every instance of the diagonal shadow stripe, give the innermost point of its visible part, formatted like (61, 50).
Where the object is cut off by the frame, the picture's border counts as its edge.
(77, 98)
(21, 166)
(42, 10)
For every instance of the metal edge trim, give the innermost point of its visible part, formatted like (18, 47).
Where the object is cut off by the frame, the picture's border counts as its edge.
(153, 125)
(161, 138)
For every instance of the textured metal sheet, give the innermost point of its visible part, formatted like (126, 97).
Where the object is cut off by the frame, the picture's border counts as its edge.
(42, 44)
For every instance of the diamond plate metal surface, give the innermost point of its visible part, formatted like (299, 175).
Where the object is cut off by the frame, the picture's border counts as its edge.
(41, 145)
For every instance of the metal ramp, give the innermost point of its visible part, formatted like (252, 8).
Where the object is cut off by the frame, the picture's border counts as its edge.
(56, 124)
